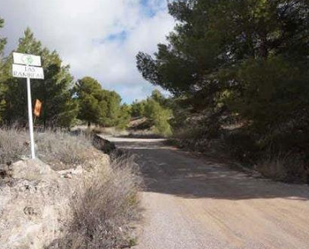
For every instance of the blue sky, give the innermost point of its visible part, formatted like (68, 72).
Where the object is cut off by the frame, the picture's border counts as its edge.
(106, 34)
(120, 37)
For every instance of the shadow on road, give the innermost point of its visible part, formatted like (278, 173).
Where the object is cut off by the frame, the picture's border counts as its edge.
(173, 172)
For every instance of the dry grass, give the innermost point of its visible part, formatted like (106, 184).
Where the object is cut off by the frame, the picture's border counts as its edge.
(62, 151)
(13, 145)
(105, 207)
(112, 131)
(59, 149)
(284, 168)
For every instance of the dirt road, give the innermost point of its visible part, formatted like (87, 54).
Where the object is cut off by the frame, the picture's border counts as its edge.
(193, 203)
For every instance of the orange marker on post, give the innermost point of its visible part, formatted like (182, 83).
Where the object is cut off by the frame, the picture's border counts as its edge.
(37, 108)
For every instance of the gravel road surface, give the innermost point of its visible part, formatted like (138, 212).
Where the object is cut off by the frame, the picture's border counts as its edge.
(193, 203)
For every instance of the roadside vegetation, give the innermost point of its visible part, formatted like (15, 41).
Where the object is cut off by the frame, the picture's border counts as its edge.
(156, 112)
(105, 209)
(98, 106)
(105, 204)
(58, 149)
(239, 75)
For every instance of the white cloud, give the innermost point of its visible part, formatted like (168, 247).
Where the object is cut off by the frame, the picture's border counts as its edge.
(98, 38)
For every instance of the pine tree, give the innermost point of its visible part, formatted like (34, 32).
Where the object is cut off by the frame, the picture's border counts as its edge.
(215, 51)
(155, 108)
(138, 108)
(58, 107)
(124, 117)
(90, 97)
(113, 102)
(99, 106)
(2, 74)
(2, 40)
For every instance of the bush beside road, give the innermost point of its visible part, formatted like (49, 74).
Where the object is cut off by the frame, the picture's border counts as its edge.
(80, 199)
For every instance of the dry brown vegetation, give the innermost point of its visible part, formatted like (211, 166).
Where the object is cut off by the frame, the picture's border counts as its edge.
(284, 168)
(12, 145)
(104, 202)
(104, 209)
(58, 149)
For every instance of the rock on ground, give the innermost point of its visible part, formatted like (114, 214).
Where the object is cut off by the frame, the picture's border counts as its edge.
(34, 204)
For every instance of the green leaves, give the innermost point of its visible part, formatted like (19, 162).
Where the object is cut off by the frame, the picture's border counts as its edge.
(237, 62)
(89, 97)
(214, 38)
(156, 111)
(271, 91)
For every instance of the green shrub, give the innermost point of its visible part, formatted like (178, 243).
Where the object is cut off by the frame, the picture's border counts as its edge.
(159, 116)
(124, 118)
(241, 145)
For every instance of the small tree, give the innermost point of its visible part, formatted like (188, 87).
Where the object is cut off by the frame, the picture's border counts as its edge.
(89, 97)
(159, 116)
(138, 108)
(97, 105)
(113, 103)
(125, 117)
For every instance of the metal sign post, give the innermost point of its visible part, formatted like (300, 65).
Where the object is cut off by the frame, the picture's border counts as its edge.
(26, 70)
(30, 117)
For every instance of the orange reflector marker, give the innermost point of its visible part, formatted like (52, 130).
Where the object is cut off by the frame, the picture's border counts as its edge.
(37, 108)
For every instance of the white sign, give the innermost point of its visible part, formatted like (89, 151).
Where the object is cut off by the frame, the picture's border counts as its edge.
(20, 71)
(27, 59)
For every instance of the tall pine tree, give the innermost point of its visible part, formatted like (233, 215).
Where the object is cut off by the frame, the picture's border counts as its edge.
(243, 57)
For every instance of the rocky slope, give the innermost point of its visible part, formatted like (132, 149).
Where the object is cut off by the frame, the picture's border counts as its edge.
(35, 202)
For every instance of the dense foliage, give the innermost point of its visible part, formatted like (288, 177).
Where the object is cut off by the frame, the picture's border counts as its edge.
(155, 108)
(240, 61)
(100, 106)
